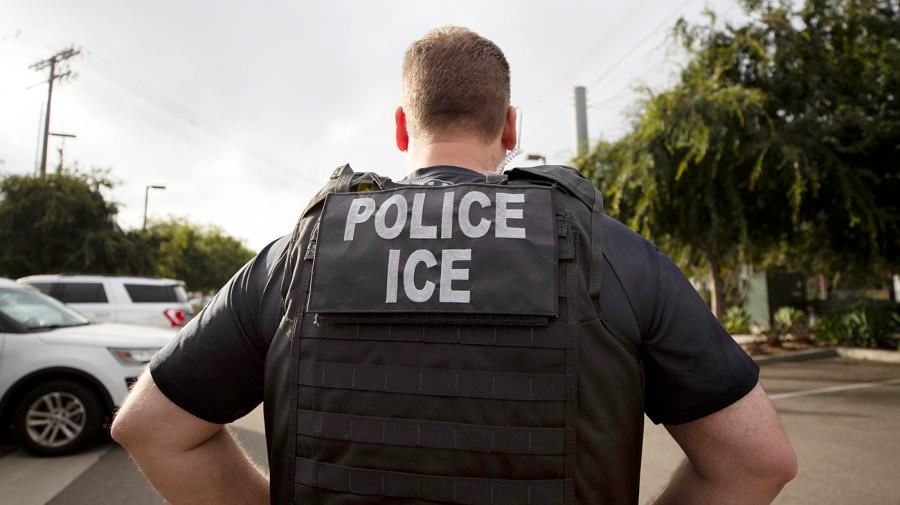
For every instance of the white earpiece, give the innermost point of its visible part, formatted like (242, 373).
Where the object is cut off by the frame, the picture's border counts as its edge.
(518, 149)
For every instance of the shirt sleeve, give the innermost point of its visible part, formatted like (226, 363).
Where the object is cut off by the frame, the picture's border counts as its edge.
(692, 366)
(214, 367)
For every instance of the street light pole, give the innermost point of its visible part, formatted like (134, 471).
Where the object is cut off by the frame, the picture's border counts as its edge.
(534, 157)
(147, 194)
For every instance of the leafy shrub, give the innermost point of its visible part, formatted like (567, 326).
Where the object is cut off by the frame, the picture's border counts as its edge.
(736, 320)
(792, 321)
(866, 326)
(788, 321)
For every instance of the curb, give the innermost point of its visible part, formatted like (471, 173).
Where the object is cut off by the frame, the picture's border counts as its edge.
(797, 356)
(879, 355)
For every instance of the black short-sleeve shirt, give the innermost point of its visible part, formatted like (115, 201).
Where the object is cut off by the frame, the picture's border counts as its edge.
(214, 367)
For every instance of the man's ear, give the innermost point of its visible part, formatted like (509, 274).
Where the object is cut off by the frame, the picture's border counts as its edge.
(400, 129)
(509, 136)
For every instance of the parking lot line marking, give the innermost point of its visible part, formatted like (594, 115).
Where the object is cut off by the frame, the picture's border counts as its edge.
(834, 389)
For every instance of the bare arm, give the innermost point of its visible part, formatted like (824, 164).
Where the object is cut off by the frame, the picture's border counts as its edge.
(188, 460)
(739, 455)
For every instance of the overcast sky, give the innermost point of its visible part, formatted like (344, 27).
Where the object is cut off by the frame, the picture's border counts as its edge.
(242, 109)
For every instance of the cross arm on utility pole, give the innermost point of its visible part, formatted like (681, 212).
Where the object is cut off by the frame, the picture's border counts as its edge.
(56, 58)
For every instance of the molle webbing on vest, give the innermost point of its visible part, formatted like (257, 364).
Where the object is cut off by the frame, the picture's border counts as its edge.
(432, 434)
(434, 319)
(549, 336)
(458, 490)
(416, 381)
(571, 280)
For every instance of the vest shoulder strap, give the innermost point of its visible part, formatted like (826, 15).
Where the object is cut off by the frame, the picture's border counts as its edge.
(570, 179)
(575, 183)
(344, 179)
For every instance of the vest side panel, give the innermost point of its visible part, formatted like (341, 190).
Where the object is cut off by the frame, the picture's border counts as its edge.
(279, 392)
(610, 387)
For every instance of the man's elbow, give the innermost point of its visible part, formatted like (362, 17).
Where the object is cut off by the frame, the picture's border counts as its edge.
(785, 469)
(778, 468)
(123, 430)
(128, 424)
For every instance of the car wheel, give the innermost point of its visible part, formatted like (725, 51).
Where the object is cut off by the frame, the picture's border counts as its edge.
(57, 418)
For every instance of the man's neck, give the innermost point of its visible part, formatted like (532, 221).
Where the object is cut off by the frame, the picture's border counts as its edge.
(466, 154)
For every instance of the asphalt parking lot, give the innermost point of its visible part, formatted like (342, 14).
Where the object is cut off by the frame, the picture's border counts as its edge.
(843, 417)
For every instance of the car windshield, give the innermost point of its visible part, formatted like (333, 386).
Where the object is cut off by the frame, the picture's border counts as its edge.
(36, 310)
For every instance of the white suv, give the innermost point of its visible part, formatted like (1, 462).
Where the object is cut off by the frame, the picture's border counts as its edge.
(61, 377)
(146, 301)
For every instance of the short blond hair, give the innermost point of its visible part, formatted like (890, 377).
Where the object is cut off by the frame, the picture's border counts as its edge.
(455, 81)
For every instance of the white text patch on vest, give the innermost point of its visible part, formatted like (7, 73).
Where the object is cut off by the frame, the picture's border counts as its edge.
(390, 218)
(462, 249)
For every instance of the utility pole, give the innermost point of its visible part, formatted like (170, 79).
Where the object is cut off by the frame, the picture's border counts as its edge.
(581, 133)
(52, 62)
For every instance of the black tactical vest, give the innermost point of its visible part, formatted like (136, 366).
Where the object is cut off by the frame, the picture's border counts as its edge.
(446, 346)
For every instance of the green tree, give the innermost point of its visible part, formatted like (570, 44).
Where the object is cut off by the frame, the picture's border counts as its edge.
(831, 73)
(682, 177)
(777, 146)
(62, 223)
(205, 257)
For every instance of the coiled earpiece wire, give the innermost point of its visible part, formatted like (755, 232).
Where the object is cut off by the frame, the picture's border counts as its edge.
(518, 149)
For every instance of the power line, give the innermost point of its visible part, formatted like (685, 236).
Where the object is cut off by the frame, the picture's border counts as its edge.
(191, 118)
(582, 60)
(164, 103)
(643, 41)
(590, 53)
(636, 61)
(618, 96)
(628, 54)
(621, 96)
(20, 36)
